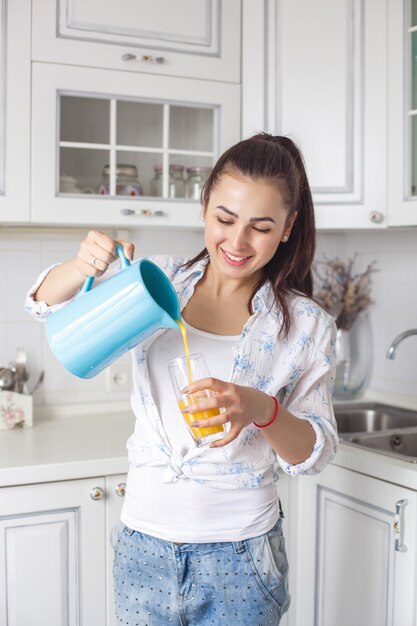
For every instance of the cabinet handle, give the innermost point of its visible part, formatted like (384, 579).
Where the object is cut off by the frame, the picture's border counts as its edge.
(97, 493)
(376, 217)
(148, 58)
(120, 490)
(398, 525)
(145, 212)
(128, 57)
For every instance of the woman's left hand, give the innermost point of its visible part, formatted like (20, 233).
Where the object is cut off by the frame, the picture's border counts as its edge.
(241, 406)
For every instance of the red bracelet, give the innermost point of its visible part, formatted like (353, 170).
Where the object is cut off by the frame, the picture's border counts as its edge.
(274, 417)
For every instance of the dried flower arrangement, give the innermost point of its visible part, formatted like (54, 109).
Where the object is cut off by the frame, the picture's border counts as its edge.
(342, 292)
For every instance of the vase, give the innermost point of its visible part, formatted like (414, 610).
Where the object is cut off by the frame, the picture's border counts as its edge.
(354, 357)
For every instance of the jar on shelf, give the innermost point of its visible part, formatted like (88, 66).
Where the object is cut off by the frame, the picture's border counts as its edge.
(176, 183)
(196, 177)
(127, 182)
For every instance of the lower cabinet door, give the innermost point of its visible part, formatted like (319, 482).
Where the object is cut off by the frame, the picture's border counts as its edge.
(52, 561)
(355, 561)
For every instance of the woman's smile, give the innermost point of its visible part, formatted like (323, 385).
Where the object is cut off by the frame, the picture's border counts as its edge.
(235, 259)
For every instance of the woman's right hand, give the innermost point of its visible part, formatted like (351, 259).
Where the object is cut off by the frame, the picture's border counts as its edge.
(97, 251)
(66, 279)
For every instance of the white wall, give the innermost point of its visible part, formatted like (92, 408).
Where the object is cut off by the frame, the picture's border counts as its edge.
(24, 253)
(395, 295)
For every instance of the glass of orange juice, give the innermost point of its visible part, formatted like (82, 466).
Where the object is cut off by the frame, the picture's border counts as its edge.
(184, 370)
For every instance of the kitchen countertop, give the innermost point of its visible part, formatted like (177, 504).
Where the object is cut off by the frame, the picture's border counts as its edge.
(67, 443)
(81, 441)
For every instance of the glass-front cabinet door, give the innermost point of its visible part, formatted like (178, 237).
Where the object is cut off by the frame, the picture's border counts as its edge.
(115, 148)
(402, 94)
(14, 111)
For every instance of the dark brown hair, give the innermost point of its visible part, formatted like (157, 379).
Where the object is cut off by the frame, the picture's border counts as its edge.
(276, 160)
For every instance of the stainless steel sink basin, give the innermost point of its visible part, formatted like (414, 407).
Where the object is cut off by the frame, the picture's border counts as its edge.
(379, 427)
(370, 417)
(403, 443)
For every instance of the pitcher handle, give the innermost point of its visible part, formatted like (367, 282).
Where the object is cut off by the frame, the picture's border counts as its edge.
(88, 283)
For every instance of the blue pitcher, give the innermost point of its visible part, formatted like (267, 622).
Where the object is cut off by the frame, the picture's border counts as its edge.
(103, 323)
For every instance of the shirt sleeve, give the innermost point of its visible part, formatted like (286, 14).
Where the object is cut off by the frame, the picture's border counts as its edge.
(311, 400)
(40, 310)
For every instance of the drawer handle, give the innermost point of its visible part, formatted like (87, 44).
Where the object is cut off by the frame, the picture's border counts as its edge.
(128, 57)
(145, 212)
(120, 490)
(399, 546)
(97, 493)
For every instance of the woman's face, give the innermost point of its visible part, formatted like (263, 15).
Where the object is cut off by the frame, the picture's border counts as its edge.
(245, 221)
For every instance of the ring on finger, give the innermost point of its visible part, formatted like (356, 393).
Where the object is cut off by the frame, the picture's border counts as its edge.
(93, 262)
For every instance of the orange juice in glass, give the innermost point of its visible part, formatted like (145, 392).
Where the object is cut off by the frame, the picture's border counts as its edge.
(194, 367)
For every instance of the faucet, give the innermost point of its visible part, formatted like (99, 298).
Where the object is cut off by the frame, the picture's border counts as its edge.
(393, 347)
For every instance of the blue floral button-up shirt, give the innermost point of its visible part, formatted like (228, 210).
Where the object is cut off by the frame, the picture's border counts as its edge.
(298, 370)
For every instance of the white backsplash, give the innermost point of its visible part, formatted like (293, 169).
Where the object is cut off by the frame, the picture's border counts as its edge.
(394, 290)
(23, 254)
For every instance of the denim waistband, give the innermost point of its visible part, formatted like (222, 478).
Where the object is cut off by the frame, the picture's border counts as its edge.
(238, 546)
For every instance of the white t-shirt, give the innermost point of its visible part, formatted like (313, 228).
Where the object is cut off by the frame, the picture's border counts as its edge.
(185, 510)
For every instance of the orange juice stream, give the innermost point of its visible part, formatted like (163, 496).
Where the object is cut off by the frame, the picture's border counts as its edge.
(201, 415)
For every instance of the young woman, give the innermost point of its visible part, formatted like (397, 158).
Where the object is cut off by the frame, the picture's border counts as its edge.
(200, 538)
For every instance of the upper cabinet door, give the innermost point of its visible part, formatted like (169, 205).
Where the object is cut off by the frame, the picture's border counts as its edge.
(14, 110)
(191, 38)
(402, 156)
(320, 78)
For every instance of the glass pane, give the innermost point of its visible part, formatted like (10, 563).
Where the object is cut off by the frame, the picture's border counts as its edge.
(145, 163)
(191, 129)
(176, 180)
(139, 124)
(81, 170)
(85, 120)
(414, 156)
(414, 13)
(196, 171)
(414, 71)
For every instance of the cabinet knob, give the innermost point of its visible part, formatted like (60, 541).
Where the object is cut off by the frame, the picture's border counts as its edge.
(376, 217)
(128, 57)
(97, 493)
(120, 490)
(148, 58)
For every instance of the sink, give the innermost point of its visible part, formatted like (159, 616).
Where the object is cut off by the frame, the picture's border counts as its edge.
(398, 443)
(379, 427)
(370, 417)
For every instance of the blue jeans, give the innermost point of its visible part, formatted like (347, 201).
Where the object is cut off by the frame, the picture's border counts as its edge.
(160, 583)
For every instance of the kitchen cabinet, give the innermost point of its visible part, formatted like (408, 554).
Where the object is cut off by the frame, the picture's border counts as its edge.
(188, 38)
(14, 110)
(355, 553)
(54, 548)
(105, 118)
(318, 73)
(402, 156)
